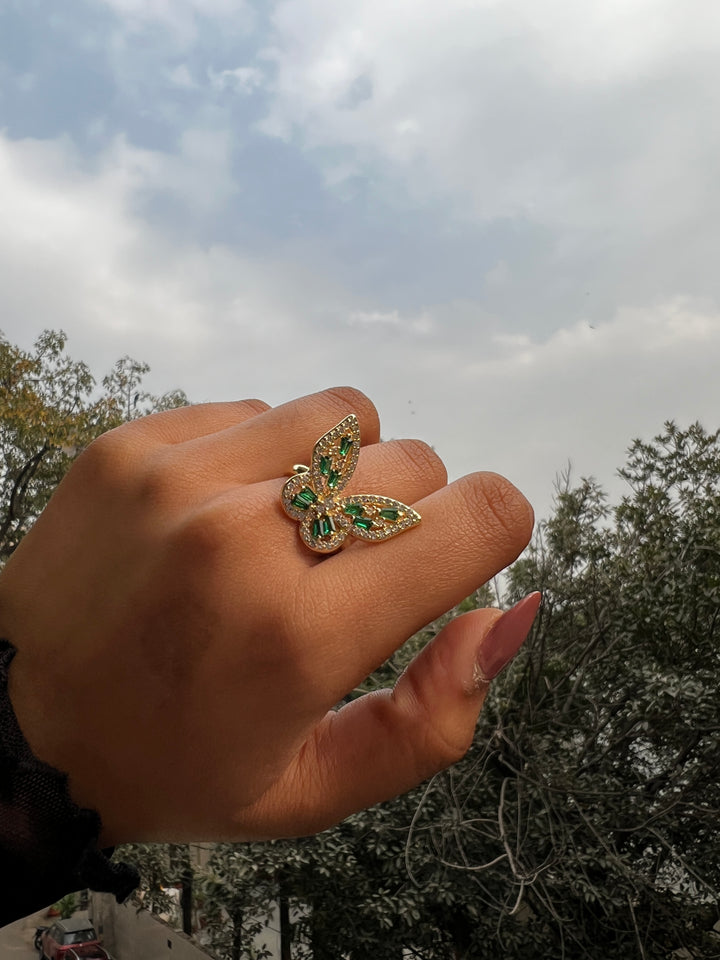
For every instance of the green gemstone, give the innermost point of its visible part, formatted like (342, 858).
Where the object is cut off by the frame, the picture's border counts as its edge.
(333, 479)
(325, 464)
(362, 522)
(389, 513)
(316, 528)
(327, 526)
(304, 499)
(354, 510)
(345, 445)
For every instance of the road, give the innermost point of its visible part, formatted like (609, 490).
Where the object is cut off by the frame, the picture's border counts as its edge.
(16, 940)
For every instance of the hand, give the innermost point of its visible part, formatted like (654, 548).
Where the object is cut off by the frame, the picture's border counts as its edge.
(180, 649)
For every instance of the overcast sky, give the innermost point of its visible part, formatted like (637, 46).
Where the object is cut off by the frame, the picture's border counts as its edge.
(500, 219)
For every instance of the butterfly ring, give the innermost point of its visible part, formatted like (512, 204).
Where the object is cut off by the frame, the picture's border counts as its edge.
(312, 496)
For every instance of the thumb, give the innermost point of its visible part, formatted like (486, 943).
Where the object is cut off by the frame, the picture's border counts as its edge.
(387, 742)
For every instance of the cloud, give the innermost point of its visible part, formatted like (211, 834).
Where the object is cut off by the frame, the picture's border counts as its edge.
(511, 244)
(499, 275)
(26, 82)
(572, 115)
(76, 254)
(580, 395)
(375, 316)
(175, 13)
(242, 80)
(180, 76)
(179, 40)
(421, 324)
(197, 176)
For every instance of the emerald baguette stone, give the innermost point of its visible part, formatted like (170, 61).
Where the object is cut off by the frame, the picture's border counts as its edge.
(323, 526)
(333, 479)
(345, 445)
(363, 522)
(325, 464)
(304, 499)
(354, 510)
(389, 513)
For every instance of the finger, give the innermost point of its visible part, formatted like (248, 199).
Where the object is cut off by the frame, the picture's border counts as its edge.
(196, 420)
(400, 471)
(386, 743)
(470, 530)
(249, 522)
(266, 447)
(406, 470)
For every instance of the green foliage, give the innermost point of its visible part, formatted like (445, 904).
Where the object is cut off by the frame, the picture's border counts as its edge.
(157, 875)
(125, 394)
(239, 892)
(67, 906)
(46, 416)
(49, 411)
(584, 821)
(610, 737)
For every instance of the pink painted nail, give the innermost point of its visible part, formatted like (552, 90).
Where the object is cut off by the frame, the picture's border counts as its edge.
(505, 638)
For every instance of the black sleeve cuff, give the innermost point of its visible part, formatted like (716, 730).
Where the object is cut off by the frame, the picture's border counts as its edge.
(48, 845)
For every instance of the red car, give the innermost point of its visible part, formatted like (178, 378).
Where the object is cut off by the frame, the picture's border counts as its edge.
(71, 940)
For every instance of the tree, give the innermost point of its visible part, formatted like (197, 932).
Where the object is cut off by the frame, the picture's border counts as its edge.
(49, 411)
(241, 887)
(604, 754)
(125, 394)
(46, 416)
(584, 823)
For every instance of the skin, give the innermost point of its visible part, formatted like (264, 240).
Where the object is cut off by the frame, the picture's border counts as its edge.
(180, 649)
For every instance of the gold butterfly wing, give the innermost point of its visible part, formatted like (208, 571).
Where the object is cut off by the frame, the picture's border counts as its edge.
(312, 497)
(378, 518)
(326, 519)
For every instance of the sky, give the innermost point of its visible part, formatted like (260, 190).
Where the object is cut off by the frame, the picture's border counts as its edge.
(499, 218)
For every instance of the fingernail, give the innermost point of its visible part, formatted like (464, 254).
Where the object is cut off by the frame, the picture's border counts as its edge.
(506, 636)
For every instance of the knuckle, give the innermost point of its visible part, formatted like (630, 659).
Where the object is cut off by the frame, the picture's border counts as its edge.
(242, 410)
(202, 537)
(437, 744)
(253, 406)
(423, 460)
(346, 399)
(212, 537)
(349, 395)
(441, 749)
(500, 504)
(157, 480)
(109, 460)
(198, 544)
(444, 749)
